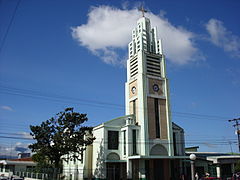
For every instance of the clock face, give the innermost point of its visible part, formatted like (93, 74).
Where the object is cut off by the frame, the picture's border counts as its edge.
(133, 89)
(155, 88)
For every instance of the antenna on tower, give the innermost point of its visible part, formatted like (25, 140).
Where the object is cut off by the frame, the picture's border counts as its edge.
(142, 10)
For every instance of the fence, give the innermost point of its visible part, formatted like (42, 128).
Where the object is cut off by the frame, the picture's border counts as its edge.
(54, 175)
(32, 175)
(75, 174)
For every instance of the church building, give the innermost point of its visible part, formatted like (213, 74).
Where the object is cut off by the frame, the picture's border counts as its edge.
(145, 143)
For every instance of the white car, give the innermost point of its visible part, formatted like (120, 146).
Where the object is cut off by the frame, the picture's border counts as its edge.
(4, 178)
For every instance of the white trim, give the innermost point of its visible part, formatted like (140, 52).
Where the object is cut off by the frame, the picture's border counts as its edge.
(154, 77)
(156, 96)
(9, 162)
(116, 161)
(158, 157)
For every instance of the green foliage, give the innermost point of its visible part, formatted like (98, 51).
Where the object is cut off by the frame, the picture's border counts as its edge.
(61, 135)
(237, 167)
(43, 165)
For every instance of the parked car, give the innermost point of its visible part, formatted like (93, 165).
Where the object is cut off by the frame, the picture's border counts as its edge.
(2, 177)
(16, 178)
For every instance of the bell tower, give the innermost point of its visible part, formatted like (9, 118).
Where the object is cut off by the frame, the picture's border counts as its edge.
(146, 89)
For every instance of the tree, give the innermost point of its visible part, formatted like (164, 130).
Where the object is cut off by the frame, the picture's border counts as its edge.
(237, 167)
(43, 165)
(61, 135)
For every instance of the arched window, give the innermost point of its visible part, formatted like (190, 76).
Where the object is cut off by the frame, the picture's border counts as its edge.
(113, 156)
(158, 150)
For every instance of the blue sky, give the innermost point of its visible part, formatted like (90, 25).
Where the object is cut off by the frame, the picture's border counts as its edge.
(61, 54)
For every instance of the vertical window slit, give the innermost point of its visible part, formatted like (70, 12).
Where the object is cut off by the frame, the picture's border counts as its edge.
(157, 123)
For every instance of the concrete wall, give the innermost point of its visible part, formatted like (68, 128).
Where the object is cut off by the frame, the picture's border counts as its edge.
(99, 153)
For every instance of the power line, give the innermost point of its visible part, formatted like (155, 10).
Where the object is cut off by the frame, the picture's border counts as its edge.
(11, 137)
(65, 99)
(192, 140)
(9, 26)
(121, 142)
(215, 140)
(236, 125)
(60, 99)
(203, 115)
(50, 95)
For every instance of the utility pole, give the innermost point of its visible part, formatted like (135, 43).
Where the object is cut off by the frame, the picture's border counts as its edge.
(236, 125)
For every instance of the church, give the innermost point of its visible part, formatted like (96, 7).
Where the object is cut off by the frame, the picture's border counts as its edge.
(145, 143)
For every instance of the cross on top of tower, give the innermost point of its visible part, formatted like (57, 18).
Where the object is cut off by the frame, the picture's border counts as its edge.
(142, 10)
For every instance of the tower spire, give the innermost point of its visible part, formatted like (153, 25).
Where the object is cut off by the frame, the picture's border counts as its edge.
(142, 10)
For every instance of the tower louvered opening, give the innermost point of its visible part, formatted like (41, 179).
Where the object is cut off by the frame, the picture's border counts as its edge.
(133, 67)
(153, 65)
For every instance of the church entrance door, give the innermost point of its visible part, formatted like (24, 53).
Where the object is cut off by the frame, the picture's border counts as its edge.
(157, 169)
(116, 171)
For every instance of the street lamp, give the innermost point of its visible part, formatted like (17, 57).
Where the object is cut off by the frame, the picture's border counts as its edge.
(192, 158)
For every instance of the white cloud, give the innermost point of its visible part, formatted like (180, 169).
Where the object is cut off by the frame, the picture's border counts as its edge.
(223, 38)
(210, 145)
(7, 108)
(14, 149)
(25, 135)
(234, 74)
(109, 29)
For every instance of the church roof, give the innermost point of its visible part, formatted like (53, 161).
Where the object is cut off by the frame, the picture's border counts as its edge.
(117, 122)
(175, 126)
